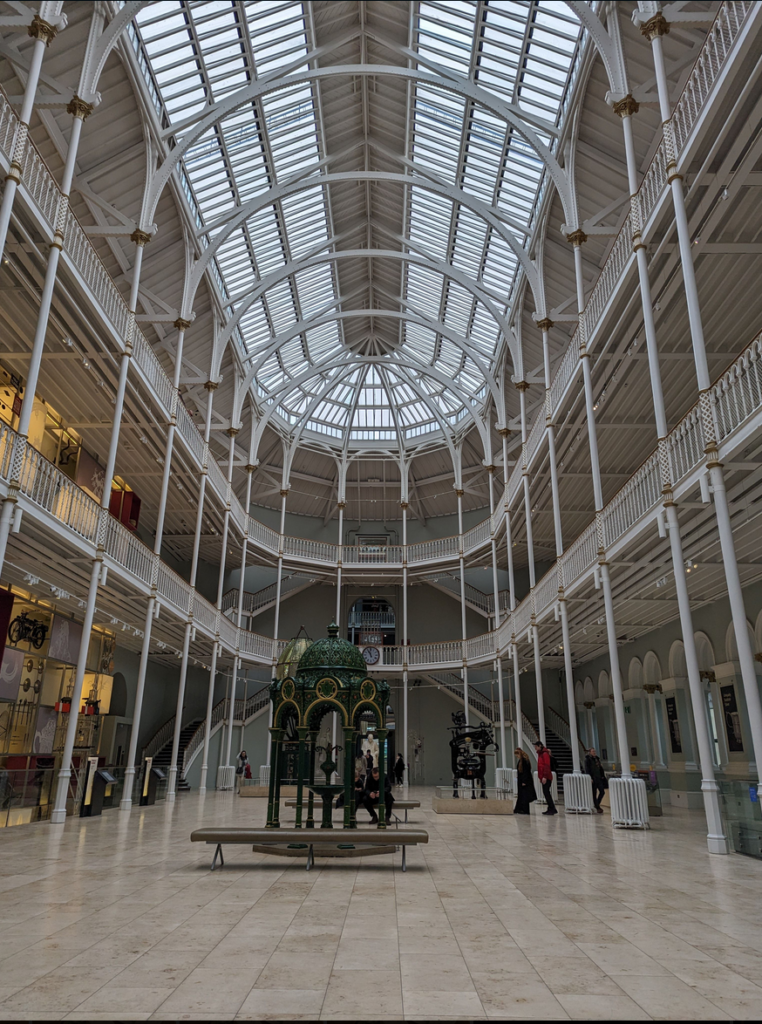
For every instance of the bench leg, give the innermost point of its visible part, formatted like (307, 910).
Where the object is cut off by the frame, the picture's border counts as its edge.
(218, 853)
(406, 815)
(404, 862)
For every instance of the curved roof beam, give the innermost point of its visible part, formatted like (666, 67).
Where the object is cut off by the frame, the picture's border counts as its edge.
(352, 364)
(395, 357)
(234, 220)
(607, 42)
(428, 262)
(460, 87)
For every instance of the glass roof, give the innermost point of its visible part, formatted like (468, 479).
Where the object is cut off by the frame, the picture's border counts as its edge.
(428, 370)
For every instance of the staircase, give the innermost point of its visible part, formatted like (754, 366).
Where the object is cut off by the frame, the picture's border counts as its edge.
(560, 750)
(163, 756)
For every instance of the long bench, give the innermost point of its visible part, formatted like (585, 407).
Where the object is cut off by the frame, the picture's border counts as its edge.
(399, 805)
(307, 839)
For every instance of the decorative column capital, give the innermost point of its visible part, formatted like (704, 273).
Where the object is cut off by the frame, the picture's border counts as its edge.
(41, 29)
(212, 385)
(521, 385)
(79, 108)
(251, 466)
(490, 469)
(589, 704)
(626, 107)
(504, 432)
(404, 505)
(459, 491)
(140, 237)
(284, 492)
(181, 324)
(339, 504)
(545, 324)
(577, 237)
(652, 688)
(232, 431)
(656, 26)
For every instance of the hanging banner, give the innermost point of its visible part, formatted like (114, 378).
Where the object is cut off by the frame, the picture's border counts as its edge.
(674, 725)
(732, 718)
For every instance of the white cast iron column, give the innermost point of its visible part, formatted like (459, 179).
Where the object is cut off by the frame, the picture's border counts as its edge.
(496, 619)
(404, 506)
(459, 492)
(716, 840)
(225, 774)
(237, 661)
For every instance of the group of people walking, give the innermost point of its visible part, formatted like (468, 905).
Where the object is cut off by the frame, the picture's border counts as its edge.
(546, 768)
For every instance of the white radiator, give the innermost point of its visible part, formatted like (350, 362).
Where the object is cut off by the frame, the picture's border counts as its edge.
(264, 775)
(578, 793)
(629, 803)
(504, 779)
(538, 789)
(225, 776)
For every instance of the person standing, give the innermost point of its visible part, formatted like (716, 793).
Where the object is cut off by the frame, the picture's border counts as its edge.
(368, 763)
(399, 769)
(243, 764)
(545, 775)
(526, 794)
(594, 769)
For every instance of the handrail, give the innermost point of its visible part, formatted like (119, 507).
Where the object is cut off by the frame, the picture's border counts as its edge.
(159, 739)
(561, 728)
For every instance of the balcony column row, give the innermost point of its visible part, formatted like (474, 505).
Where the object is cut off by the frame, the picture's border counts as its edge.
(504, 432)
(654, 29)
(79, 111)
(98, 572)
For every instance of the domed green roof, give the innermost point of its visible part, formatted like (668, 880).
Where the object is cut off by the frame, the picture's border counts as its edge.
(331, 654)
(290, 655)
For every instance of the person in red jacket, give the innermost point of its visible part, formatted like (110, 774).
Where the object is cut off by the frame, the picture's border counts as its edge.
(545, 775)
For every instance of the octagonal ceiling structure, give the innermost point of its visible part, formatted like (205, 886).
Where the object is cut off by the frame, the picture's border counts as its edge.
(366, 218)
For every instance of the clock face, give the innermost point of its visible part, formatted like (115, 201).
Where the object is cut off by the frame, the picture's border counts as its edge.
(371, 655)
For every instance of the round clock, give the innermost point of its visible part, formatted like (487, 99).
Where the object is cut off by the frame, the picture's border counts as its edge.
(371, 655)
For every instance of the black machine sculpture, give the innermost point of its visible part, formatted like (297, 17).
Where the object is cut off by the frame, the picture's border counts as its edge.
(470, 747)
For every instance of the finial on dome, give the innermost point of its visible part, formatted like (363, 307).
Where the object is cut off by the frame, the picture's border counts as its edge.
(333, 629)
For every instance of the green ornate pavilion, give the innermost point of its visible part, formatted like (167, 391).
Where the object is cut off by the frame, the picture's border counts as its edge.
(331, 677)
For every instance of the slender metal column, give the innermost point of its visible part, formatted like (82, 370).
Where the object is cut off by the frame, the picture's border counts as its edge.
(341, 506)
(654, 29)
(43, 35)
(496, 619)
(237, 662)
(211, 387)
(276, 628)
(504, 432)
(716, 839)
(577, 238)
(522, 388)
(79, 110)
(232, 432)
(405, 638)
(545, 324)
(97, 575)
(464, 670)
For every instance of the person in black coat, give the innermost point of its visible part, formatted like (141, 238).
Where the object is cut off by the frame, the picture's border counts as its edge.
(526, 794)
(399, 769)
(372, 794)
(594, 769)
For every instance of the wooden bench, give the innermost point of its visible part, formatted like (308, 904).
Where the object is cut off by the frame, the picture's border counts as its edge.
(307, 838)
(399, 805)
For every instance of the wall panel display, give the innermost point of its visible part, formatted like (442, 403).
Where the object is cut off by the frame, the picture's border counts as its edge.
(10, 673)
(732, 718)
(674, 725)
(65, 638)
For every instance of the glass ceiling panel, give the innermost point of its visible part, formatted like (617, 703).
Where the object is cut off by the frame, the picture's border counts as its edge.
(194, 53)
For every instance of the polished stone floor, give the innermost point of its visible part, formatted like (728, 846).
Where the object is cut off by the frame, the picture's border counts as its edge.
(498, 917)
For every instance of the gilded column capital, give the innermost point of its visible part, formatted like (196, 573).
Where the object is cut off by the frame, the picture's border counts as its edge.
(140, 238)
(181, 324)
(232, 431)
(404, 504)
(521, 385)
(577, 237)
(212, 385)
(459, 491)
(341, 504)
(284, 492)
(546, 323)
(41, 29)
(656, 26)
(78, 108)
(251, 466)
(626, 107)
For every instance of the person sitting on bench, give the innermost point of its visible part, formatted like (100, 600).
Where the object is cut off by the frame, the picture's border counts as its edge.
(371, 796)
(359, 792)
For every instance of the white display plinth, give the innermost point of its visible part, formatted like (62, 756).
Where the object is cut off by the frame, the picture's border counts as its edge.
(629, 803)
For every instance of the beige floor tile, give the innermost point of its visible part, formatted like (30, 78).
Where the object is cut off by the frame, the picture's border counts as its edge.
(354, 992)
(450, 973)
(278, 1001)
(309, 970)
(670, 999)
(203, 991)
(442, 1005)
(135, 999)
(515, 995)
(601, 1007)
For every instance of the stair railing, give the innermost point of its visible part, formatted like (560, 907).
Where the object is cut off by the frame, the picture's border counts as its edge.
(159, 739)
(561, 728)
